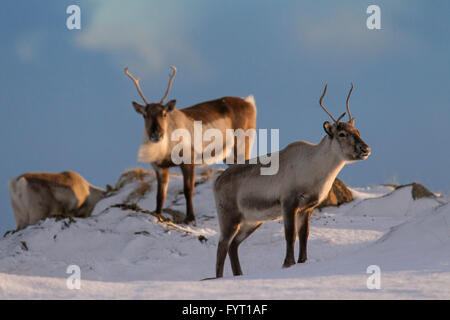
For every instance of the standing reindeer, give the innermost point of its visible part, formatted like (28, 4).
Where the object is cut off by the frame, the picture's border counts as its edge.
(245, 199)
(161, 120)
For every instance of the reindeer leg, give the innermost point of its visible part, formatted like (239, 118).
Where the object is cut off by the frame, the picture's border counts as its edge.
(188, 180)
(244, 232)
(303, 233)
(235, 151)
(226, 235)
(242, 152)
(290, 208)
(248, 147)
(162, 176)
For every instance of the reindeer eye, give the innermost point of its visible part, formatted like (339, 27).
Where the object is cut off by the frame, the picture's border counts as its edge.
(342, 134)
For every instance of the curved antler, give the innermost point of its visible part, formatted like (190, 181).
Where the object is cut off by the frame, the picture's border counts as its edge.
(351, 120)
(320, 102)
(325, 109)
(136, 82)
(170, 83)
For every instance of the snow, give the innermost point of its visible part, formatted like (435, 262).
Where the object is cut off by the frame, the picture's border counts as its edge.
(124, 254)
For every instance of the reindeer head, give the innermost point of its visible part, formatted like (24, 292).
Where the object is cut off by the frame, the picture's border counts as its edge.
(154, 114)
(345, 137)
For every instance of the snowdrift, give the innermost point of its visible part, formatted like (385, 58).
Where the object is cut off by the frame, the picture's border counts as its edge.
(399, 203)
(126, 252)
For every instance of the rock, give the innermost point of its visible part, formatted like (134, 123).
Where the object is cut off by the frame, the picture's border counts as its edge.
(418, 191)
(132, 175)
(143, 178)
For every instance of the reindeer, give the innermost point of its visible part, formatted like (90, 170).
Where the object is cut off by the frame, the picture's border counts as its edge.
(162, 120)
(245, 199)
(39, 195)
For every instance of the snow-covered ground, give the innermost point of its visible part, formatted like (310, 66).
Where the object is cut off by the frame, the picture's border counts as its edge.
(124, 254)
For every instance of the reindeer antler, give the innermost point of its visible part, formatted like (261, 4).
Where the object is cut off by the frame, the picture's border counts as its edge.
(325, 109)
(351, 120)
(342, 115)
(170, 83)
(136, 82)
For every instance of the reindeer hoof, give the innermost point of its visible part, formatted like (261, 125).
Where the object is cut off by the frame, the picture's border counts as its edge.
(288, 264)
(212, 278)
(190, 222)
(301, 260)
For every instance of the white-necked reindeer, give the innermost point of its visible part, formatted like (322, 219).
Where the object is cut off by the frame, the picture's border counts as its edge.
(245, 199)
(161, 120)
(40, 195)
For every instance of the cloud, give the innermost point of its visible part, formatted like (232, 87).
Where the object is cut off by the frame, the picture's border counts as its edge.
(29, 45)
(145, 35)
(343, 31)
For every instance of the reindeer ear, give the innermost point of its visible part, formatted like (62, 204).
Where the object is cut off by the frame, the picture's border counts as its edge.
(328, 127)
(139, 108)
(170, 105)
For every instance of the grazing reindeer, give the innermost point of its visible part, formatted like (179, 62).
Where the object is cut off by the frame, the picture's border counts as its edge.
(161, 120)
(245, 199)
(37, 196)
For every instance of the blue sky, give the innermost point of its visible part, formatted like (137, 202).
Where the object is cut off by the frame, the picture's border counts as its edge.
(65, 102)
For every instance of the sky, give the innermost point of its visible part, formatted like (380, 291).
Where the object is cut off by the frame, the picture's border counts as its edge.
(65, 103)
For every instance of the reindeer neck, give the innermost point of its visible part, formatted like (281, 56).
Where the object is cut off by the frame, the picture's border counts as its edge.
(176, 119)
(96, 192)
(331, 162)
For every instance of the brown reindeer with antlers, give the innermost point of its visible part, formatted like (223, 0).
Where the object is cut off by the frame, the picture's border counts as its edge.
(161, 120)
(245, 199)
